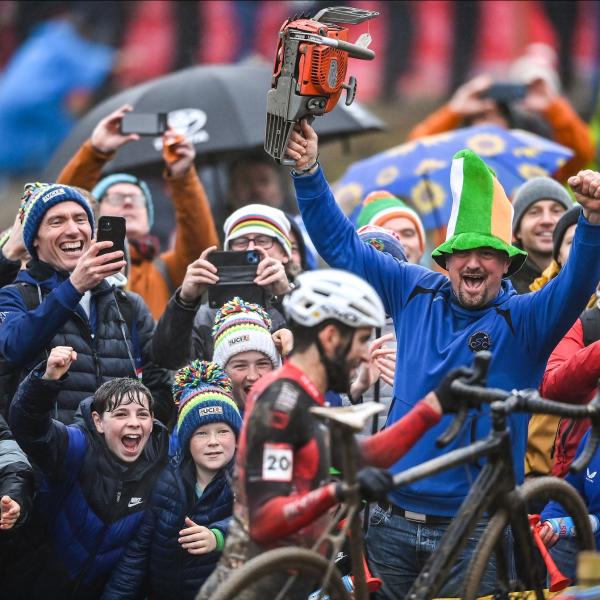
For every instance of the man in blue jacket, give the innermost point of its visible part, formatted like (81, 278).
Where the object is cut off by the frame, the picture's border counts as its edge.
(63, 299)
(97, 479)
(439, 322)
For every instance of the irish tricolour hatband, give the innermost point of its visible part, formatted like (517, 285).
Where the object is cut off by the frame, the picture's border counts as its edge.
(481, 212)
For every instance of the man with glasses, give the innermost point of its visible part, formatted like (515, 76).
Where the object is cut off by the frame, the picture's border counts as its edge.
(184, 332)
(152, 274)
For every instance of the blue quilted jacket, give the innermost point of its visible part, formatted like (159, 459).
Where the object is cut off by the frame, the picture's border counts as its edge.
(90, 504)
(154, 565)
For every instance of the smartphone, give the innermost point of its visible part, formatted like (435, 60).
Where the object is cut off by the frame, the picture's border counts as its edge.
(236, 271)
(506, 92)
(112, 229)
(144, 123)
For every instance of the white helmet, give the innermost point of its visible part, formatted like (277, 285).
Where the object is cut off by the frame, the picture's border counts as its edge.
(333, 294)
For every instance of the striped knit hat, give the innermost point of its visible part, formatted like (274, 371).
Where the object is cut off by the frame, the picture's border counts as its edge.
(259, 219)
(241, 327)
(202, 391)
(38, 199)
(481, 212)
(381, 206)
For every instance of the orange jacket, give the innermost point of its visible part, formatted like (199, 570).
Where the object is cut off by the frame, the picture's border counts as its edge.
(195, 229)
(567, 128)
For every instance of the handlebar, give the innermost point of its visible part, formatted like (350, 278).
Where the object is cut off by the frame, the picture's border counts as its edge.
(472, 393)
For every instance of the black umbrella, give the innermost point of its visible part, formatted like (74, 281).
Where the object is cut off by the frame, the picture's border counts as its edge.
(221, 107)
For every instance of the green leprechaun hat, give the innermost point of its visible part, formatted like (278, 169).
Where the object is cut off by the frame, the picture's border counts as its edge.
(481, 212)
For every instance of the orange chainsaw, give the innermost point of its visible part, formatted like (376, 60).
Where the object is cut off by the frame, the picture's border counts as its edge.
(310, 69)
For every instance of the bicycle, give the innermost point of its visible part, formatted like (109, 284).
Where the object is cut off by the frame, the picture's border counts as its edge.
(494, 491)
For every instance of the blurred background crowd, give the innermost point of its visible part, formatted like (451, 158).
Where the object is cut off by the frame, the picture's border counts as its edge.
(60, 58)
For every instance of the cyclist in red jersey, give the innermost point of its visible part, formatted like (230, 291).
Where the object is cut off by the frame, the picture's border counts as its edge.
(283, 486)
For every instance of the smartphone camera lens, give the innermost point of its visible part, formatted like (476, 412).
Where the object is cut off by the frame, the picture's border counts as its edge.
(252, 258)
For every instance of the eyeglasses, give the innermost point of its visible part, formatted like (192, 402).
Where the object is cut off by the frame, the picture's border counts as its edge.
(260, 241)
(118, 199)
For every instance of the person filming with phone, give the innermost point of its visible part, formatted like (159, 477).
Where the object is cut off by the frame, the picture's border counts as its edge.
(153, 275)
(184, 332)
(62, 298)
(532, 103)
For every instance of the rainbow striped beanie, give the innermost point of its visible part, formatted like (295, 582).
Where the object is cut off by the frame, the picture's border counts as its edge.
(242, 327)
(258, 219)
(202, 391)
(481, 212)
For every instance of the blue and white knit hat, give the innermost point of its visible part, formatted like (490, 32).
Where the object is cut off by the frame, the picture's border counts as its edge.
(38, 199)
(202, 391)
(102, 187)
(241, 326)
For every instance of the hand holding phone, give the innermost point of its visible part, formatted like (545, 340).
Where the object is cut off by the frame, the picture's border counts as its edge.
(145, 124)
(236, 271)
(112, 229)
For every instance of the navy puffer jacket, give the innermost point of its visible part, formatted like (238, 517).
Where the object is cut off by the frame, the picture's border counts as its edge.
(89, 505)
(105, 346)
(154, 565)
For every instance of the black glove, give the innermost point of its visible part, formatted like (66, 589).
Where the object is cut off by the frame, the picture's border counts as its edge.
(446, 397)
(374, 483)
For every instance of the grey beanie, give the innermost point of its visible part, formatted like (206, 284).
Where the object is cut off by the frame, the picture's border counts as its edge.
(534, 190)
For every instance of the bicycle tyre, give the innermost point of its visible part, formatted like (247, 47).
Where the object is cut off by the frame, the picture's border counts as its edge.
(551, 487)
(298, 560)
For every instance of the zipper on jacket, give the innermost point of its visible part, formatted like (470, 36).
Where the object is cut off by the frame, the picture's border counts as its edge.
(119, 491)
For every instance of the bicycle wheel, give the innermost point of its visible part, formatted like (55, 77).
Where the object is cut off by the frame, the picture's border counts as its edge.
(544, 488)
(284, 573)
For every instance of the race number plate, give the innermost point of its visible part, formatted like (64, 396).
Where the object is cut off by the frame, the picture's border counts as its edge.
(278, 462)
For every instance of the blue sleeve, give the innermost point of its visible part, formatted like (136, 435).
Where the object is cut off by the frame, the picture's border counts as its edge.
(553, 509)
(549, 313)
(222, 525)
(337, 242)
(44, 440)
(23, 333)
(128, 580)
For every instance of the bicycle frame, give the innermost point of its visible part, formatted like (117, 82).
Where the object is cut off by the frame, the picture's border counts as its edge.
(493, 488)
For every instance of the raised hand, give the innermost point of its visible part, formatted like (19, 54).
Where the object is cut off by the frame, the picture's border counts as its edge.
(586, 187)
(468, 100)
(271, 272)
(107, 136)
(303, 146)
(59, 362)
(198, 276)
(380, 359)
(179, 153)
(284, 341)
(197, 539)
(92, 268)
(9, 512)
(14, 248)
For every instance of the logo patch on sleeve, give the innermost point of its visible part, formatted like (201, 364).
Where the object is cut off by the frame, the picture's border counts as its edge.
(278, 462)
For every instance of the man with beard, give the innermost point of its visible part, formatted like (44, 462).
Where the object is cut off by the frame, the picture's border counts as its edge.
(439, 322)
(283, 485)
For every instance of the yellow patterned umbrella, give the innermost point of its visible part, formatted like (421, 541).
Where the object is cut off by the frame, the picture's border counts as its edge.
(419, 171)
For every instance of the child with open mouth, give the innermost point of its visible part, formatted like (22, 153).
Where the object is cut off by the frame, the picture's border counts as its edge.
(183, 533)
